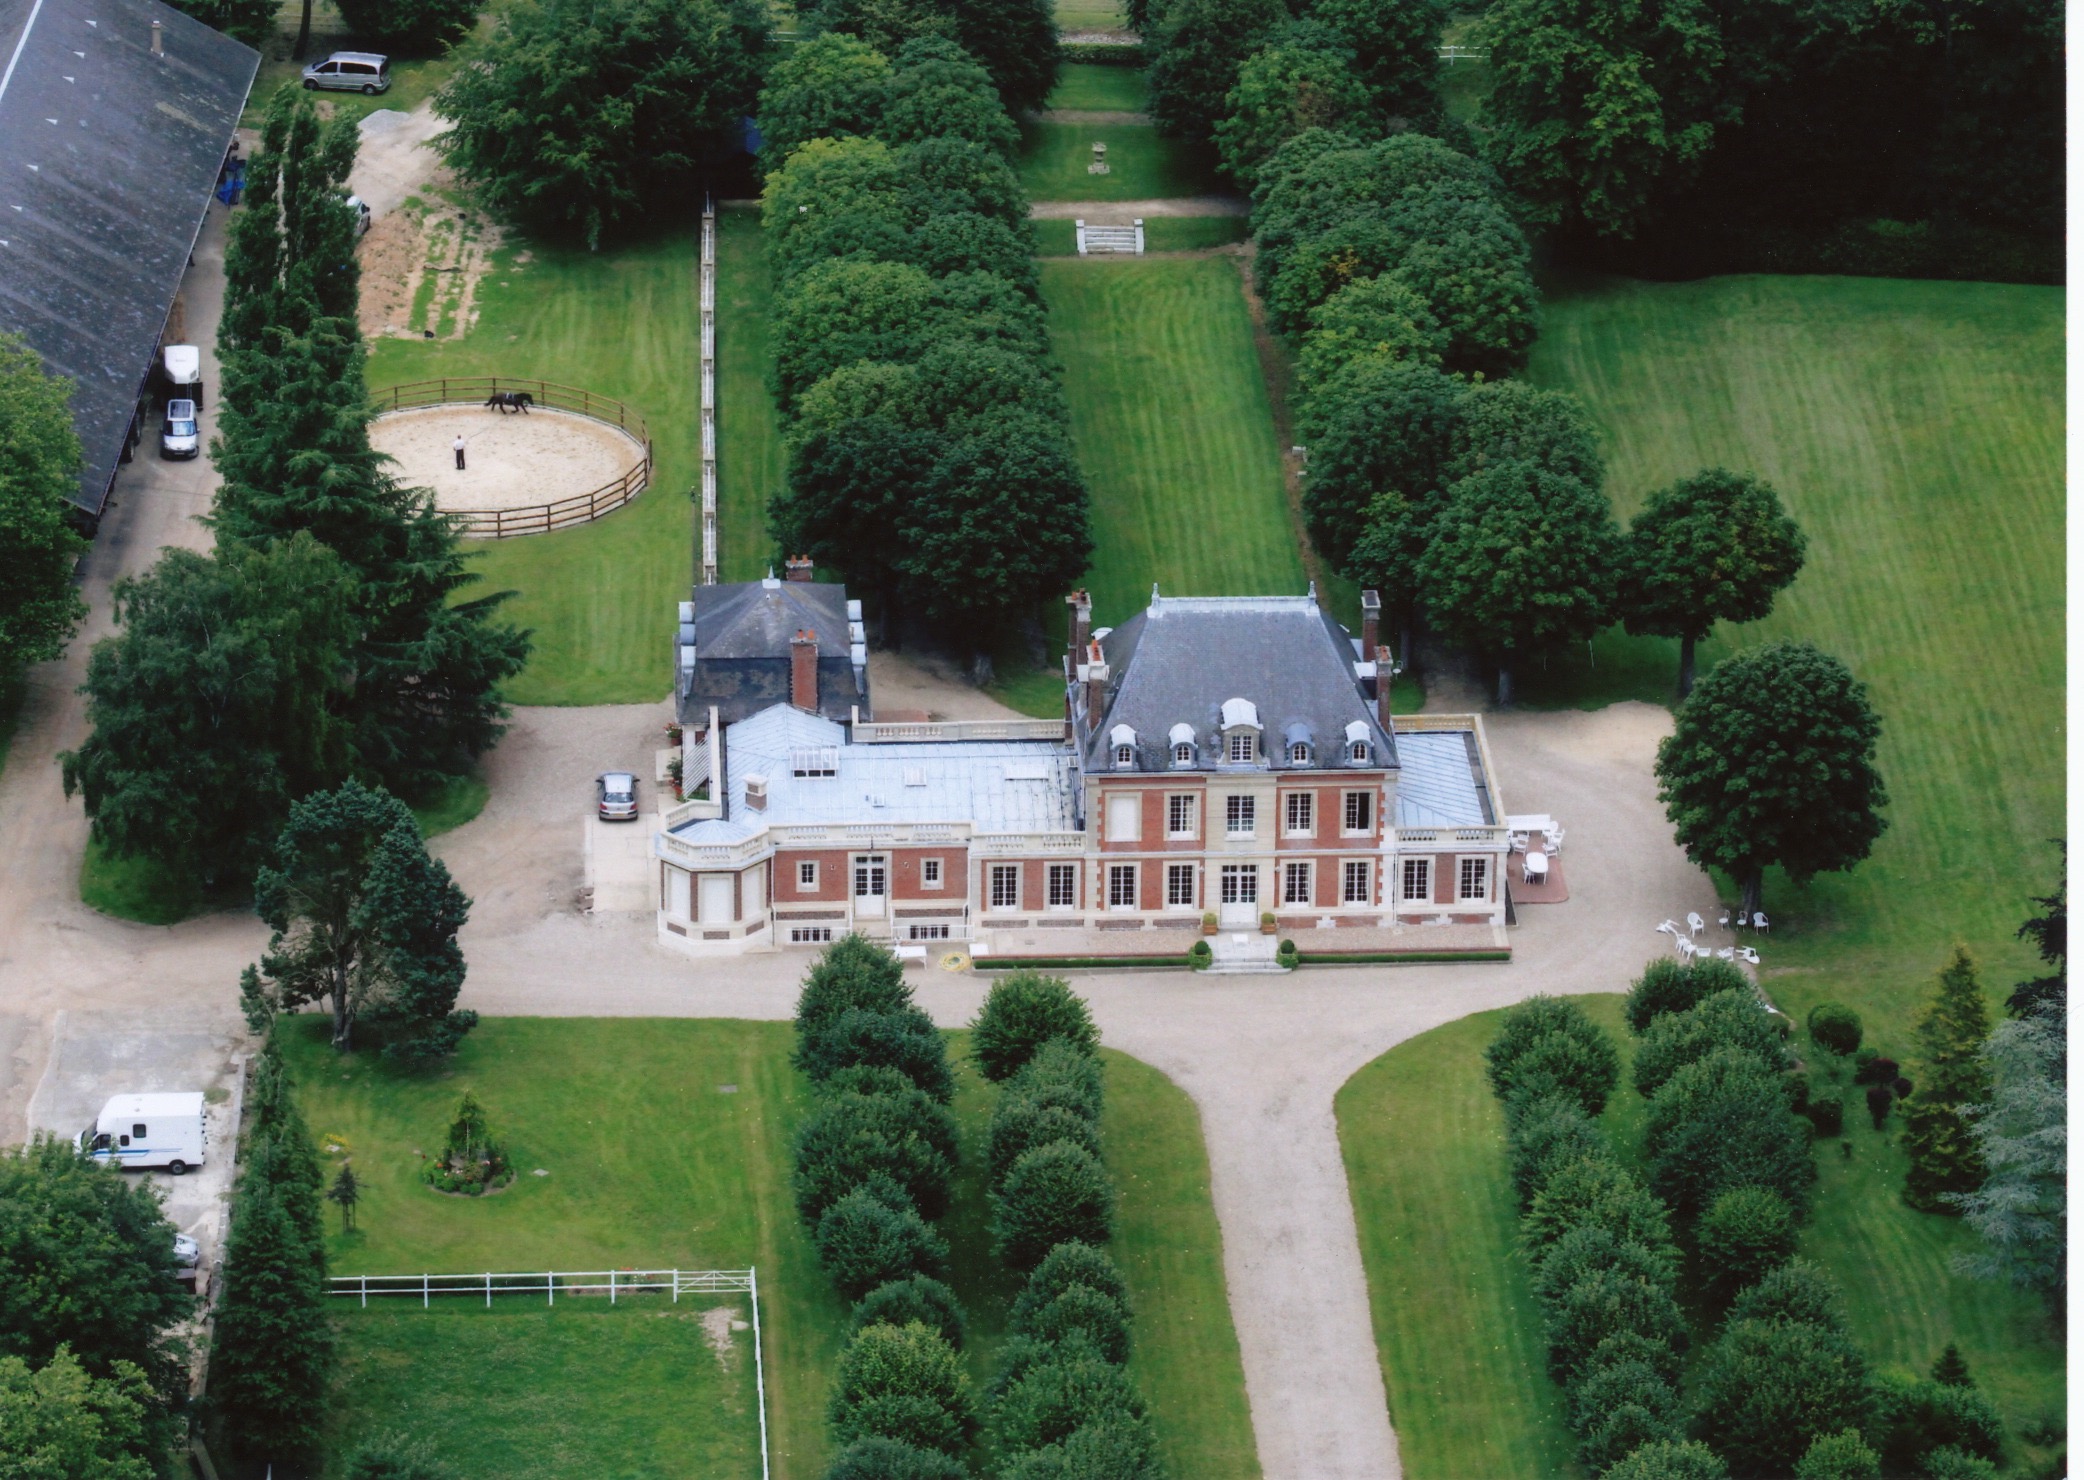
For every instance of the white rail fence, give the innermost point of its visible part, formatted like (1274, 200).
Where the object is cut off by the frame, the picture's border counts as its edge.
(708, 288)
(613, 1283)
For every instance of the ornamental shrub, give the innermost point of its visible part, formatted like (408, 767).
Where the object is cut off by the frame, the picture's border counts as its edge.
(877, 1458)
(849, 1137)
(1671, 1460)
(1876, 1070)
(1835, 1028)
(1056, 1397)
(1767, 1391)
(1052, 1194)
(1595, 1189)
(1604, 1303)
(1085, 1311)
(1603, 1386)
(1957, 1464)
(1118, 1446)
(1022, 1011)
(903, 1039)
(395, 1457)
(853, 971)
(1590, 1248)
(1745, 1234)
(1060, 1074)
(1544, 1135)
(1632, 1346)
(1915, 1417)
(1796, 1292)
(1879, 1098)
(1020, 1124)
(864, 1242)
(921, 1299)
(1622, 1429)
(1590, 1076)
(903, 1383)
(1066, 1265)
(1828, 1116)
(1725, 1020)
(1670, 985)
(1723, 1122)
(1840, 1456)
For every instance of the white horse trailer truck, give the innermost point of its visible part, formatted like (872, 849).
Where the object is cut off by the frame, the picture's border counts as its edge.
(163, 1130)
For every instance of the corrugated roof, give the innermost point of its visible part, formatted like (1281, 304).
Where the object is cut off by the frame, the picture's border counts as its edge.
(108, 157)
(998, 785)
(1437, 786)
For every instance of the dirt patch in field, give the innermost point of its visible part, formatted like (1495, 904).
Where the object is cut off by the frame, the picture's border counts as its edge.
(421, 267)
(512, 461)
(718, 1322)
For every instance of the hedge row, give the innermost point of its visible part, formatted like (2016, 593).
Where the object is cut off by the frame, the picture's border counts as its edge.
(1062, 1407)
(873, 1167)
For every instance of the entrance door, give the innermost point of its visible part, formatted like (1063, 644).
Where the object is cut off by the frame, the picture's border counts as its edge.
(1240, 895)
(871, 885)
(716, 899)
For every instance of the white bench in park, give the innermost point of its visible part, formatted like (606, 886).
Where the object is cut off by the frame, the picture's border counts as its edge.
(1097, 239)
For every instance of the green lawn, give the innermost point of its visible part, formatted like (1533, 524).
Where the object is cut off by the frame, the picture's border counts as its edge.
(1174, 432)
(1102, 89)
(651, 1163)
(1090, 15)
(1142, 163)
(1460, 1334)
(749, 461)
(623, 323)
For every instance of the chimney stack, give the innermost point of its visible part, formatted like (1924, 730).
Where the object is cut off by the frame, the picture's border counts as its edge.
(1095, 684)
(1081, 605)
(158, 40)
(1370, 622)
(803, 670)
(1385, 680)
(799, 567)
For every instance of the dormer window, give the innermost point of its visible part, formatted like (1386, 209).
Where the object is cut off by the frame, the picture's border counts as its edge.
(1183, 755)
(1125, 756)
(1299, 753)
(1242, 747)
(1123, 739)
(1181, 737)
(1357, 752)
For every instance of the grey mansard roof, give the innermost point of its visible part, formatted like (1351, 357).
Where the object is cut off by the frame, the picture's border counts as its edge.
(1177, 661)
(742, 635)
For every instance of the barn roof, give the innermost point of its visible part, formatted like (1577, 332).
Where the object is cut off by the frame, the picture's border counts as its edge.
(108, 157)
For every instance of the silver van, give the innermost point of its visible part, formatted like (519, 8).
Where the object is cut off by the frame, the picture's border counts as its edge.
(350, 71)
(179, 437)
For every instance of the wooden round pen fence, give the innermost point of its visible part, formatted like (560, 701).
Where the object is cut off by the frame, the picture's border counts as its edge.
(582, 436)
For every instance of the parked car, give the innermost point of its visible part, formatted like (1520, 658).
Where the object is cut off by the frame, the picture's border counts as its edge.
(360, 207)
(188, 1258)
(179, 436)
(158, 1130)
(615, 794)
(351, 71)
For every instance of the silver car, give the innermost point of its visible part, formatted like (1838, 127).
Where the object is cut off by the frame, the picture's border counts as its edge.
(179, 437)
(350, 71)
(616, 796)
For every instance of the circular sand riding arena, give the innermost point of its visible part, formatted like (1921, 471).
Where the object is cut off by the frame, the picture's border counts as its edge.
(547, 468)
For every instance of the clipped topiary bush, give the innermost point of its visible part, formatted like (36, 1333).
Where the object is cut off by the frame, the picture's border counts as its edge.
(1547, 1047)
(1671, 1459)
(1595, 1189)
(903, 1383)
(1835, 1028)
(1879, 1098)
(1020, 1124)
(1051, 1195)
(1725, 1020)
(1023, 1011)
(1592, 1247)
(1056, 1397)
(1670, 985)
(1604, 1303)
(864, 1242)
(1840, 1456)
(1118, 1446)
(907, 1137)
(1543, 1136)
(1915, 1417)
(1876, 1070)
(853, 971)
(1059, 1074)
(1066, 1265)
(920, 1298)
(877, 1458)
(1745, 1234)
(903, 1039)
(1085, 1311)
(1796, 1292)
(1828, 1116)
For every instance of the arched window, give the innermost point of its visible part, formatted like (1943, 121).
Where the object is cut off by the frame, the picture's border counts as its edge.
(1241, 746)
(1357, 752)
(1299, 753)
(1125, 755)
(1183, 754)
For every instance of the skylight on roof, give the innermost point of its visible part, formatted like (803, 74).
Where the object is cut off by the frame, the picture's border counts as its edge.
(816, 760)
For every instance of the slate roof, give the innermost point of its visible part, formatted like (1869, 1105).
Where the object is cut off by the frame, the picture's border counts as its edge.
(997, 785)
(108, 157)
(742, 635)
(1182, 657)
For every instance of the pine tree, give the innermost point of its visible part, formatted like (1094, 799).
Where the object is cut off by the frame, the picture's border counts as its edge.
(1951, 1369)
(1943, 1154)
(345, 1192)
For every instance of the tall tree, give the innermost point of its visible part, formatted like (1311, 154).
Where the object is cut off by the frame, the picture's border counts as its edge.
(1519, 563)
(365, 922)
(273, 1352)
(250, 21)
(1303, 79)
(830, 86)
(87, 1266)
(2050, 933)
(2022, 1135)
(417, 27)
(1200, 47)
(588, 117)
(63, 1423)
(1716, 547)
(1396, 50)
(1375, 318)
(1953, 1075)
(289, 259)
(39, 469)
(216, 704)
(1771, 761)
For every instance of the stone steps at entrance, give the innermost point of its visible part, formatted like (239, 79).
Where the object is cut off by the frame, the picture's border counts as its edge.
(1095, 239)
(1241, 953)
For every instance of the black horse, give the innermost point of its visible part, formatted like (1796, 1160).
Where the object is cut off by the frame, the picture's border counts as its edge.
(505, 401)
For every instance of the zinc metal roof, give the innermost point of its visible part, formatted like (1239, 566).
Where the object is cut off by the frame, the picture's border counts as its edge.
(108, 157)
(1438, 785)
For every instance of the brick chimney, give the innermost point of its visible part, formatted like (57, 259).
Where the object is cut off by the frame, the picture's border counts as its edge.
(1096, 676)
(799, 567)
(1081, 606)
(1385, 678)
(803, 670)
(1370, 621)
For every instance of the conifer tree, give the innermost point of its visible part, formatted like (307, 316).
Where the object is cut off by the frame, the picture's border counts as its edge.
(1943, 1154)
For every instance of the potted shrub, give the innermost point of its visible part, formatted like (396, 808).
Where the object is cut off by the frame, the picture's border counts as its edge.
(471, 1162)
(1266, 922)
(1288, 957)
(1208, 923)
(1199, 955)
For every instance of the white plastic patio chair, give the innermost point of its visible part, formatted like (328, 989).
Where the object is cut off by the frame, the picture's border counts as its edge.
(1519, 841)
(1695, 923)
(1669, 927)
(1555, 837)
(1747, 955)
(1758, 923)
(1727, 953)
(1724, 920)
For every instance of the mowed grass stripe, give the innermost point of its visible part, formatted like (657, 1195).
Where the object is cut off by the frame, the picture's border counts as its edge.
(750, 466)
(1174, 431)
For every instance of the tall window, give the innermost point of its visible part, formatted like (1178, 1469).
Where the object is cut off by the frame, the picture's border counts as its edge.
(1179, 884)
(1241, 748)
(1183, 754)
(1360, 811)
(1476, 878)
(1121, 886)
(1298, 754)
(1005, 886)
(1418, 879)
(1302, 813)
(1179, 817)
(1240, 883)
(1295, 883)
(1063, 886)
(929, 873)
(1240, 816)
(806, 876)
(1357, 882)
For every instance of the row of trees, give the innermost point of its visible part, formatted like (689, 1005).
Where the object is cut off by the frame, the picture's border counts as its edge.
(930, 460)
(39, 469)
(327, 635)
(1783, 1389)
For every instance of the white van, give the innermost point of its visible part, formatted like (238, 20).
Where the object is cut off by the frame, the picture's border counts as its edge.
(149, 1131)
(184, 373)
